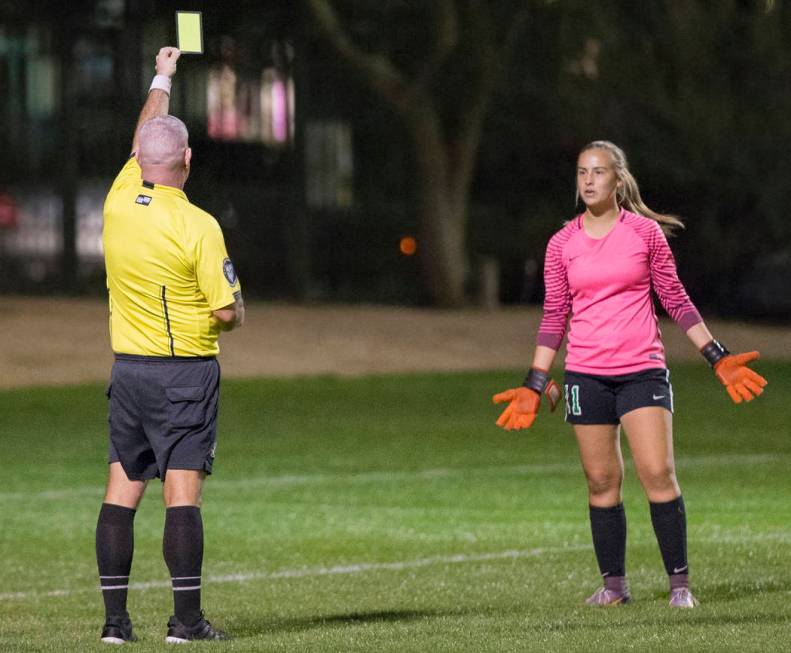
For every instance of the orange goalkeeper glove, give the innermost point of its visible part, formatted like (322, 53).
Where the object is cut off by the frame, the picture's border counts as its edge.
(524, 402)
(742, 383)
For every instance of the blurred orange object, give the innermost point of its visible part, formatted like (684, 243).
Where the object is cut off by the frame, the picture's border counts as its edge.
(408, 245)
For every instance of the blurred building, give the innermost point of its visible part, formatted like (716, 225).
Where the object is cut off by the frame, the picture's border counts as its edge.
(313, 177)
(74, 80)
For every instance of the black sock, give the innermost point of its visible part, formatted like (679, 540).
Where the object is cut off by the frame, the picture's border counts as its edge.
(182, 546)
(670, 525)
(608, 526)
(115, 542)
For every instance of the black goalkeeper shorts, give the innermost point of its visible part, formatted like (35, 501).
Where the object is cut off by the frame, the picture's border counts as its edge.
(594, 399)
(163, 414)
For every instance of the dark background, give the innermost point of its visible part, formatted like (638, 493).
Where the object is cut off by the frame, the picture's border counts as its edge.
(697, 93)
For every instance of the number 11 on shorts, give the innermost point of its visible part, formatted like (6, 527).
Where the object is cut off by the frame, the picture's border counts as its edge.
(572, 399)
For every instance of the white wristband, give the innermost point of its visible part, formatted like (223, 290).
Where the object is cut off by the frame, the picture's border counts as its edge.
(161, 82)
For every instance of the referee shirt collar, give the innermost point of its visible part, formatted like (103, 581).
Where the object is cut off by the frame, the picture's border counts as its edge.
(171, 190)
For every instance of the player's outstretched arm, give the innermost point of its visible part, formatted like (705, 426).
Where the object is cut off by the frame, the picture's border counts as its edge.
(524, 402)
(741, 383)
(158, 100)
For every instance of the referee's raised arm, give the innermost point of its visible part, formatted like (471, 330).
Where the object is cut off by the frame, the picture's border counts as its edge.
(158, 100)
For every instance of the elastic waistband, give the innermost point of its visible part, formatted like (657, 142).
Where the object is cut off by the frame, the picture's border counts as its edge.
(134, 358)
(624, 376)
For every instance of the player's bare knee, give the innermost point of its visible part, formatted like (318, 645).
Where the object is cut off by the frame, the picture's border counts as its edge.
(659, 479)
(603, 483)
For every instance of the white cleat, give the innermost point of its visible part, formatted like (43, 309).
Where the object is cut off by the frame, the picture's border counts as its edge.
(681, 597)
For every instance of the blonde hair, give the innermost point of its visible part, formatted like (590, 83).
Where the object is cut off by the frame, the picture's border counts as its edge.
(628, 192)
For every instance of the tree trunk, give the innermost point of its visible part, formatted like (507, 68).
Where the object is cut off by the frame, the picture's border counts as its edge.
(445, 155)
(442, 245)
(442, 202)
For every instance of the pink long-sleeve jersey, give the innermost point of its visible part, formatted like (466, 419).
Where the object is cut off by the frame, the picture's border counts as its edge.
(606, 285)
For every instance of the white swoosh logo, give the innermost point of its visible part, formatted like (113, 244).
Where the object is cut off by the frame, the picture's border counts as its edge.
(658, 397)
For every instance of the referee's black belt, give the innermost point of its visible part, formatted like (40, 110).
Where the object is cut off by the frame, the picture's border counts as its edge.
(134, 358)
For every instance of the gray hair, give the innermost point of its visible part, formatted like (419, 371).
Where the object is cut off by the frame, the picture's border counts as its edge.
(162, 141)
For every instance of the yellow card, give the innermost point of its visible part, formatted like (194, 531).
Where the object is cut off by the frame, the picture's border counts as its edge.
(189, 31)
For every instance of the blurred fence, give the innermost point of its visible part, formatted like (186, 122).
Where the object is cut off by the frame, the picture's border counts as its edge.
(31, 246)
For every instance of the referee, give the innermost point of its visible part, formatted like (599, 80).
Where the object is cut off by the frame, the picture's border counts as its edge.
(172, 289)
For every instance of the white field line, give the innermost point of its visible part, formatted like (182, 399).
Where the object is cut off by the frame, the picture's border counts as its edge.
(398, 565)
(290, 480)
(311, 572)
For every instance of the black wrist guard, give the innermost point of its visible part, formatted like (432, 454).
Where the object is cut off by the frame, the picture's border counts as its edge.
(713, 351)
(536, 380)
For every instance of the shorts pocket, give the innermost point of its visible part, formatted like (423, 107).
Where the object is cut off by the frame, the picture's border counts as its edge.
(186, 406)
(108, 392)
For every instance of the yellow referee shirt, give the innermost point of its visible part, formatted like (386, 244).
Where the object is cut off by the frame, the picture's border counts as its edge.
(167, 269)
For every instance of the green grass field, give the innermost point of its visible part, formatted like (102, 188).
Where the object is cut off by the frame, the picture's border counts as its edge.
(390, 514)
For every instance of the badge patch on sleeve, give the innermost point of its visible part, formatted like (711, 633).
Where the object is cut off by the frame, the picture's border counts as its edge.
(228, 271)
(145, 200)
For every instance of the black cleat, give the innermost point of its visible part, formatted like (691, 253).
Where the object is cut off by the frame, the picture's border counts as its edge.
(178, 633)
(118, 630)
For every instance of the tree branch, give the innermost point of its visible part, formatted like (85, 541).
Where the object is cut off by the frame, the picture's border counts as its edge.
(473, 111)
(379, 71)
(447, 38)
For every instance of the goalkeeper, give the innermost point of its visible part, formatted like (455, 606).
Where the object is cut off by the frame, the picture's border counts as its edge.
(601, 267)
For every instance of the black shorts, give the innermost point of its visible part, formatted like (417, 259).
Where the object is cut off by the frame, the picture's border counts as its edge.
(163, 414)
(594, 399)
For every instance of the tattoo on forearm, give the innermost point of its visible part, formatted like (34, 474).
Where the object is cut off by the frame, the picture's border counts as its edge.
(239, 308)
